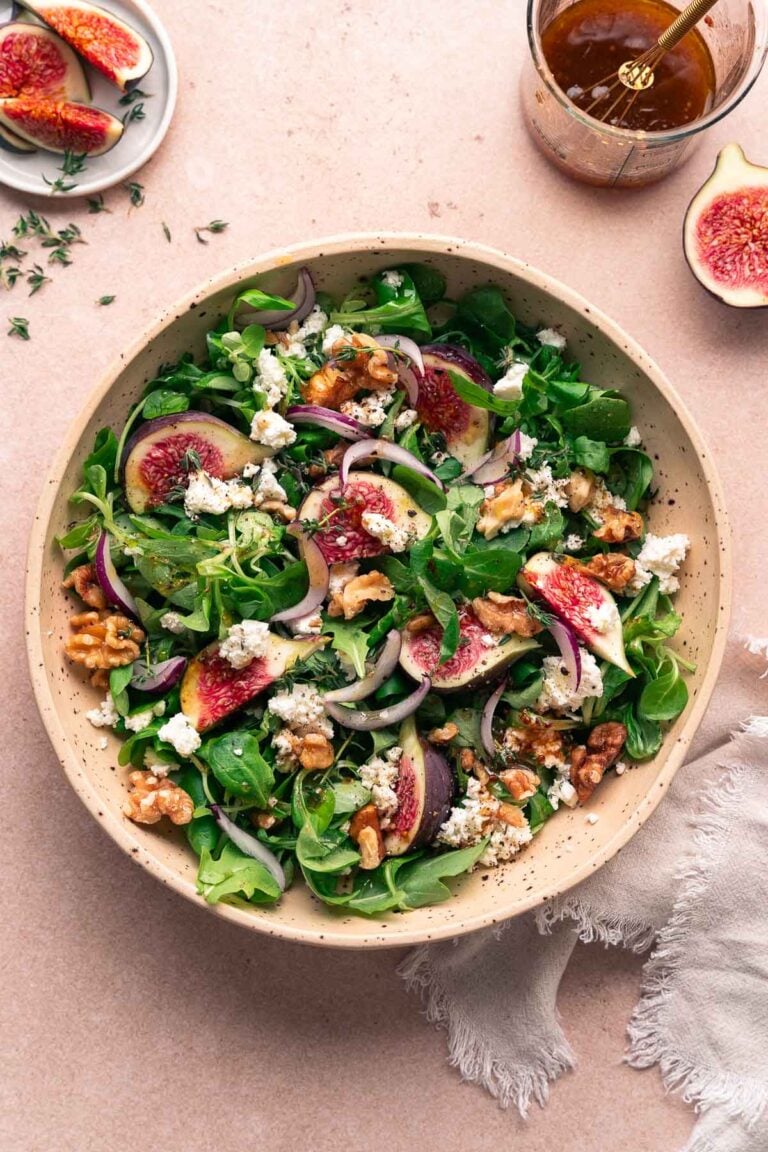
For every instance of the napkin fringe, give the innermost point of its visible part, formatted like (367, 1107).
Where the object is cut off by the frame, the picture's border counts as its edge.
(593, 927)
(508, 1084)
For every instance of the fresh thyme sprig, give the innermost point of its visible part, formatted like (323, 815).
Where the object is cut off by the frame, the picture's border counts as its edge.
(215, 226)
(134, 95)
(19, 327)
(36, 278)
(136, 193)
(72, 165)
(136, 112)
(96, 204)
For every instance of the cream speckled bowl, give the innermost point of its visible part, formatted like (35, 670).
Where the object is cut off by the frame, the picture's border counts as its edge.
(689, 500)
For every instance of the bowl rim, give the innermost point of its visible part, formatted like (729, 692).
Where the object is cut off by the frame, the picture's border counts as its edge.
(355, 242)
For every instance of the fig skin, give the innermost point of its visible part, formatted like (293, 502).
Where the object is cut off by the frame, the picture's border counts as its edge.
(425, 790)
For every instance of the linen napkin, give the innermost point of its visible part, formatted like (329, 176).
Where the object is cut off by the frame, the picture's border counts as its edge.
(693, 886)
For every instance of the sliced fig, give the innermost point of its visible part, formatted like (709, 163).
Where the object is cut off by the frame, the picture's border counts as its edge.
(425, 788)
(36, 62)
(212, 688)
(157, 457)
(475, 662)
(10, 142)
(725, 234)
(109, 45)
(581, 601)
(342, 536)
(466, 429)
(61, 126)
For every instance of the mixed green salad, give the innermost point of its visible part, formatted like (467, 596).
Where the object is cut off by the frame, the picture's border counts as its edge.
(370, 592)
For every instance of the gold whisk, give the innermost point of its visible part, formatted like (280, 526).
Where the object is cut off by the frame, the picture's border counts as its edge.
(637, 75)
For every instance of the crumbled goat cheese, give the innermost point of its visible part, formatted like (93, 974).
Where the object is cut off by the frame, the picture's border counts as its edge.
(160, 765)
(602, 498)
(341, 574)
(267, 487)
(390, 534)
(633, 437)
(573, 543)
(527, 445)
(660, 556)
(546, 488)
(143, 719)
(557, 695)
(334, 333)
(271, 379)
(282, 743)
(309, 625)
(475, 819)
(552, 338)
(342, 541)
(244, 643)
(106, 715)
(209, 494)
(302, 710)
(505, 843)
(294, 348)
(251, 470)
(487, 640)
(271, 430)
(592, 818)
(621, 768)
(602, 618)
(379, 776)
(405, 419)
(314, 324)
(104, 743)
(172, 622)
(562, 792)
(392, 280)
(371, 410)
(510, 386)
(180, 734)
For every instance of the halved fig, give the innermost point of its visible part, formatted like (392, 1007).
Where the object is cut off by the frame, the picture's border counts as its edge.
(425, 788)
(109, 45)
(61, 126)
(164, 451)
(466, 429)
(212, 688)
(477, 661)
(581, 601)
(35, 62)
(342, 536)
(725, 234)
(10, 142)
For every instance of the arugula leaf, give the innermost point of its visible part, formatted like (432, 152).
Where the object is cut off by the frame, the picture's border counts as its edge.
(630, 475)
(349, 639)
(330, 851)
(233, 874)
(237, 763)
(420, 881)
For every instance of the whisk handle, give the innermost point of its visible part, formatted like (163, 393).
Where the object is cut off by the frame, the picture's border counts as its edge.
(690, 15)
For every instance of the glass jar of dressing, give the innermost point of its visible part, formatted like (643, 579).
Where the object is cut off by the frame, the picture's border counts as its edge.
(576, 44)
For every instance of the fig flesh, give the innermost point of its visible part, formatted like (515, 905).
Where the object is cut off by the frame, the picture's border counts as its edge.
(157, 457)
(212, 688)
(581, 601)
(466, 429)
(725, 234)
(109, 45)
(342, 536)
(36, 63)
(60, 126)
(478, 660)
(424, 789)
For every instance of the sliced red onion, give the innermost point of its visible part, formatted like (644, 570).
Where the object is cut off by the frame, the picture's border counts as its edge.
(568, 643)
(303, 303)
(405, 373)
(494, 465)
(361, 721)
(111, 585)
(337, 422)
(381, 671)
(250, 845)
(486, 721)
(408, 347)
(383, 450)
(319, 576)
(157, 677)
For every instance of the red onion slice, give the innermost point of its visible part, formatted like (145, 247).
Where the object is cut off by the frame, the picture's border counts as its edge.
(494, 465)
(361, 721)
(157, 677)
(111, 585)
(303, 303)
(405, 373)
(408, 347)
(337, 422)
(383, 450)
(486, 721)
(250, 845)
(567, 642)
(381, 671)
(319, 576)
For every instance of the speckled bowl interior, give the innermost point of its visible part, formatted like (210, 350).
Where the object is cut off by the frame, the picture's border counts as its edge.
(688, 500)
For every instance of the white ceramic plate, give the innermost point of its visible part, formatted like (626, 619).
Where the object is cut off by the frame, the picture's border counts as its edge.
(141, 138)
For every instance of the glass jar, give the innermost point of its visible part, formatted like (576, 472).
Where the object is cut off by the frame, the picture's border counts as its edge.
(736, 33)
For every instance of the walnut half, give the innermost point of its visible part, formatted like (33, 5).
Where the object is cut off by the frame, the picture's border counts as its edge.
(590, 763)
(153, 797)
(86, 583)
(350, 600)
(503, 615)
(103, 640)
(365, 830)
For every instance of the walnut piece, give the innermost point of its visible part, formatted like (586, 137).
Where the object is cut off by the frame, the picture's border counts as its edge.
(580, 489)
(590, 763)
(470, 764)
(313, 751)
(613, 569)
(102, 640)
(358, 362)
(365, 830)
(420, 623)
(505, 614)
(279, 508)
(519, 782)
(153, 797)
(86, 583)
(357, 592)
(443, 735)
(619, 526)
(505, 506)
(509, 814)
(537, 742)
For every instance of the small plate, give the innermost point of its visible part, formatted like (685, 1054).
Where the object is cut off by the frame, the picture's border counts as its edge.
(141, 138)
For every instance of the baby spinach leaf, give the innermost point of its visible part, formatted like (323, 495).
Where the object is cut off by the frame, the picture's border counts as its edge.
(488, 570)
(539, 810)
(426, 494)
(420, 881)
(601, 417)
(592, 454)
(202, 831)
(485, 311)
(232, 874)
(428, 282)
(630, 475)
(237, 763)
(164, 402)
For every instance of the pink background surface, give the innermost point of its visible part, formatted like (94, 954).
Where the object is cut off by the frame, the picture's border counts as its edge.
(129, 1018)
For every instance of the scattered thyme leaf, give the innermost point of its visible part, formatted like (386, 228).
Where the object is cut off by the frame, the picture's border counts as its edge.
(9, 276)
(104, 300)
(215, 226)
(36, 278)
(72, 165)
(10, 252)
(135, 113)
(166, 232)
(134, 95)
(96, 204)
(60, 256)
(136, 193)
(19, 327)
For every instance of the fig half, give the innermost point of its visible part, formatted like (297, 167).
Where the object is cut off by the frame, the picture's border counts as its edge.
(424, 789)
(477, 661)
(212, 688)
(725, 234)
(160, 456)
(60, 126)
(581, 601)
(466, 429)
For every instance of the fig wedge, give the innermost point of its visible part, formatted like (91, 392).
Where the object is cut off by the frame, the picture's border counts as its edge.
(478, 660)
(10, 142)
(36, 62)
(212, 689)
(425, 788)
(61, 126)
(581, 601)
(466, 429)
